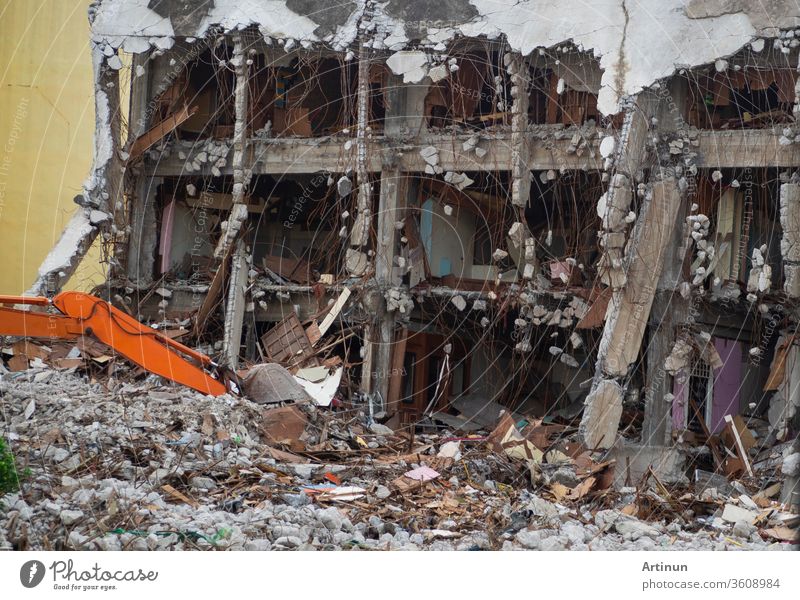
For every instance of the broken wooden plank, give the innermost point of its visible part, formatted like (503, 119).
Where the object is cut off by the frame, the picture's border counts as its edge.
(18, 362)
(313, 333)
(179, 496)
(214, 294)
(161, 130)
(777, 372)
(596, 314)
(287, 341)
(741, 450)
(284, 456)
(396, 373)
(293, 269)
(30, 350)
(334, 312)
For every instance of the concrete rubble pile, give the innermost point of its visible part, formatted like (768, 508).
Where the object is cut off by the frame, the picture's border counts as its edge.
(483, 281)
(136, 466)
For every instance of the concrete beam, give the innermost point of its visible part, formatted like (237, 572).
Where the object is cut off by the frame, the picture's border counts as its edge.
(288, 156)
(745, 148)
(717, 150)
(628, 313)
(624, 332)
(669, 310)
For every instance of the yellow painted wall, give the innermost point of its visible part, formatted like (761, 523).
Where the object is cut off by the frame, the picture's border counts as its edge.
(46, 133)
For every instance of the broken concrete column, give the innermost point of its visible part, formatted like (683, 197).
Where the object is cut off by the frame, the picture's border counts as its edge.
(668, 311)
(388, 215)
(633, 461)
(517, 68)
(143, 241)
(784, 405)
(386, 248)
(613, 208)
(603, 409)
(356, 262)
(241, 177)
(630, 147)
(409, 121)
(628, 312)
(790, 242)
(61, 262)
(137, 187)
(784, 417)
(522, 246)
(235, 306)
(359, 234)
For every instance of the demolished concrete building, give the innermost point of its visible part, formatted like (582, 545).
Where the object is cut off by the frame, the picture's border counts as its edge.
(593, 216)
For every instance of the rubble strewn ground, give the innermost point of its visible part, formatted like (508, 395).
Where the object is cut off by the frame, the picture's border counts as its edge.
(140, 466)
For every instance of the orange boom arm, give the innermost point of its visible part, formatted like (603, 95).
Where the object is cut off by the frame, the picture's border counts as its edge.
(83, 314)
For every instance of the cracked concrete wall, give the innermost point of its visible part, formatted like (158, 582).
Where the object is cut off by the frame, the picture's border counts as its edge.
(637, 43)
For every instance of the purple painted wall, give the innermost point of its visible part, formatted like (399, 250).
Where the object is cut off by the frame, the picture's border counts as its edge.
(727, 383)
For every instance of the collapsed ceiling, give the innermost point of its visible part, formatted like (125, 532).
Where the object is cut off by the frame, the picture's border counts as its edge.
(637, 42)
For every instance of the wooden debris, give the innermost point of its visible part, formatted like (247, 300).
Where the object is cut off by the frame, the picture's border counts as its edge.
(179, 496)
(283, 425)
(334, 311)
(287, 342)
(161, 130)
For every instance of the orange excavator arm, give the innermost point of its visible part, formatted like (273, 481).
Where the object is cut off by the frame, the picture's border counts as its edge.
(83, 314)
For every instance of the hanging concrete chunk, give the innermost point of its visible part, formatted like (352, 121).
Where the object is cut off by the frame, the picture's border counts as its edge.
(411, 64)
(459, 302)
(270, 383)
(344, 186)
(517, 234)
(459, 180)
(356, 262)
